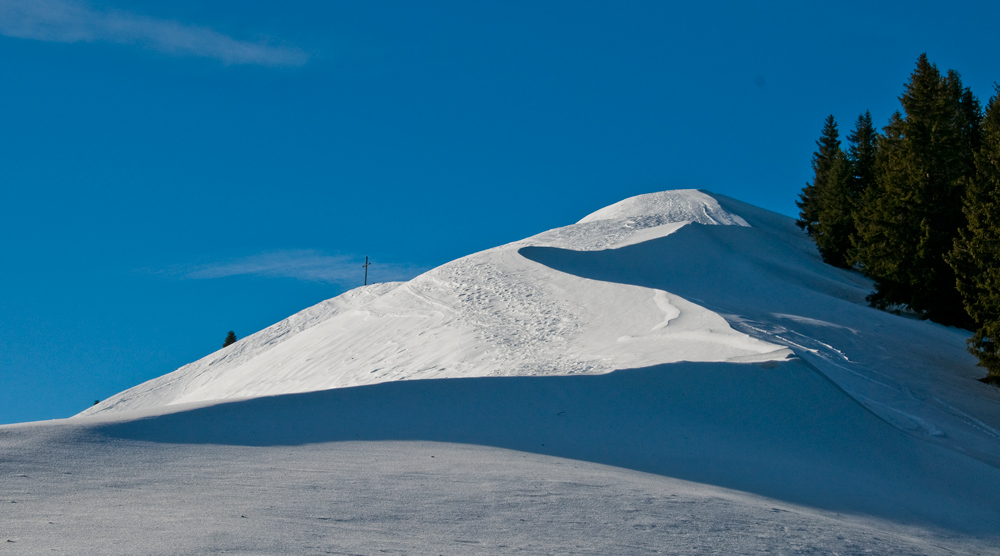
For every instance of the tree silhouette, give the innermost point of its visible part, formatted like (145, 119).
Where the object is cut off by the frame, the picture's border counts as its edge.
(810, 200)
(909, 219)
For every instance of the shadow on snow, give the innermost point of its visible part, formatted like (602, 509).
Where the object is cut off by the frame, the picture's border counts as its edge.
(785, 432)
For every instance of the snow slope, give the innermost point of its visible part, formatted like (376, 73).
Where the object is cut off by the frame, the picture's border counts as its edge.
(494, 313)
(659, 278)
(678, 371)
(684, 458)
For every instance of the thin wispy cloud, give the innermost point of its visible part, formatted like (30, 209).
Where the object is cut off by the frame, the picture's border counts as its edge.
(308, 265)
(72, 21)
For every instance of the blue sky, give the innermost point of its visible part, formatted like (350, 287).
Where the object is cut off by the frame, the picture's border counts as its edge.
(175, 170)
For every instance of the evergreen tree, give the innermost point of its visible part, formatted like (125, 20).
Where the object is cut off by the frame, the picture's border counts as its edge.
(874, 242)
(976, 256)
(910, 218)
(835, 224)
(230, 339)
(810, 201)
(850, 175)
(861, 153)
(969, 121)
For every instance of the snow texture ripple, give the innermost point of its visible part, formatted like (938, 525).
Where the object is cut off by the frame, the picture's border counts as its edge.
(678, 372)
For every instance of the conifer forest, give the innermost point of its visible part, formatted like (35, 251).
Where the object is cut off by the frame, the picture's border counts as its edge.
(916, 207)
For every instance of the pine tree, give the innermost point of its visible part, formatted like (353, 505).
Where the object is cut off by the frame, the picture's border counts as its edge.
(810, 200)
(861, 153)
(850, 175)
(976, 256)
(835, 224)
(910, 217)
(874, 241)
(969, 121)
(230, 339)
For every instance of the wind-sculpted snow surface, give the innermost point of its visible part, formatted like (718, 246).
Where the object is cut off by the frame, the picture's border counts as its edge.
(494, 313)
(659, 278)
(676, 372)
(767, 281)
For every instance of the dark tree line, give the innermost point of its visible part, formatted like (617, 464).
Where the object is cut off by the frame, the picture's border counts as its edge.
(916, 208)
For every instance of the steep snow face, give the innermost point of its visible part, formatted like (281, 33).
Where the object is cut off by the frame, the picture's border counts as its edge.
(494, 313)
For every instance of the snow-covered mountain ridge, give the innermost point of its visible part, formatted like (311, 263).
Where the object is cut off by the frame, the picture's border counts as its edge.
(493, 313)
(679, 370)
(680, 275)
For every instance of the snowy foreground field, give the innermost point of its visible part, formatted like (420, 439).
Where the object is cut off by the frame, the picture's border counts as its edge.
(677, 373)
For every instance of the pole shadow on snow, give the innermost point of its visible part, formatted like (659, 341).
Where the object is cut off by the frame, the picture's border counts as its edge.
(783, 432)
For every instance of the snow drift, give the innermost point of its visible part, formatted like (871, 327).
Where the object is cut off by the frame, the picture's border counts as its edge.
(494, 313)
(659, 278)
(682, 334)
